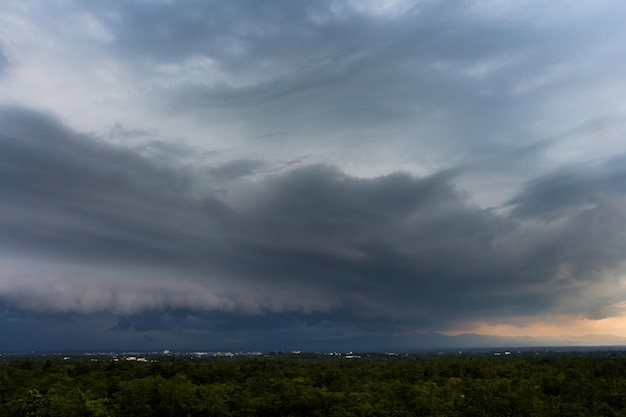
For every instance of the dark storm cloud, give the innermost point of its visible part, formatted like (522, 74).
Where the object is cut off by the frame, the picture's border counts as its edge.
(572, 187)
(144, 322)
(314, 240)
(215, 321)
(62, 188)
(582, 205)
(235, 169)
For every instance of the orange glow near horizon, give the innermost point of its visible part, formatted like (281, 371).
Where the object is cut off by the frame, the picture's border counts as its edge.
(548, 326)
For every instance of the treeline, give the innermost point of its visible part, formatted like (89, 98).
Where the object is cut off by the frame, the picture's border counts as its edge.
(300, 385)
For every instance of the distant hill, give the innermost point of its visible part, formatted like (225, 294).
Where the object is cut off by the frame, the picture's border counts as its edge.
(437, 341)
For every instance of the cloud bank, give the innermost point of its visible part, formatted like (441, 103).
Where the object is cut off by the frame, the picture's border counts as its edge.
(90, 228)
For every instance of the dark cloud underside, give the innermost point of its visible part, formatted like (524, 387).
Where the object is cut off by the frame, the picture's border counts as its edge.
(407, 249)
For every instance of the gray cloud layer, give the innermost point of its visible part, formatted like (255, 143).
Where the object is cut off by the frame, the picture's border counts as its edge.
(4, 63)
(123, 234)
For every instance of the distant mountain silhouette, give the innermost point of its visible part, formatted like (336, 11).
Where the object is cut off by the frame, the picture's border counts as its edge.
(415, 342)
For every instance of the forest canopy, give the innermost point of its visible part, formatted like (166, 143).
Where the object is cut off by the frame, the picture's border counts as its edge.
(317, 385)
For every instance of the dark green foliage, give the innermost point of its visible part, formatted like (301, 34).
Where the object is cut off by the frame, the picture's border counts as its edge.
(315, 385)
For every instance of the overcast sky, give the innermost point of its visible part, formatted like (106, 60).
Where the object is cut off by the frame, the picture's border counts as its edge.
(215, 173)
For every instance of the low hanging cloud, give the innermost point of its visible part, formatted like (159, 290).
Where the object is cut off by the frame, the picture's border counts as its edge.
(88, 227)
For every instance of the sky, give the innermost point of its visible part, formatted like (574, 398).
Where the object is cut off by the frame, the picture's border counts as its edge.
(215, 174)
